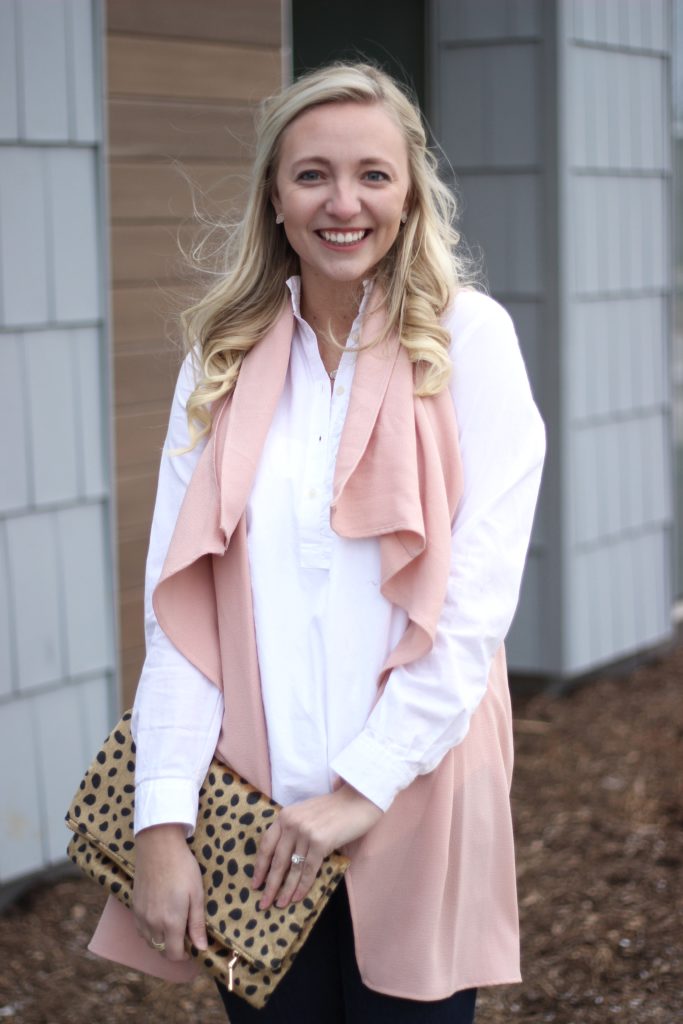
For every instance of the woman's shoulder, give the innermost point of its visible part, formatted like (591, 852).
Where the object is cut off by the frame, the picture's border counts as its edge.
(472, 310)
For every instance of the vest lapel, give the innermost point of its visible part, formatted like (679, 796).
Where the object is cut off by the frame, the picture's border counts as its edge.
(259, 387)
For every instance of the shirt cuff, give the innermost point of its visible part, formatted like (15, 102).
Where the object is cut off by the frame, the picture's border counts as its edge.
(373, 770)
(165, 802)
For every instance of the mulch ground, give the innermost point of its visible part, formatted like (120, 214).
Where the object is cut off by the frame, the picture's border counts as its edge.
(598, 803)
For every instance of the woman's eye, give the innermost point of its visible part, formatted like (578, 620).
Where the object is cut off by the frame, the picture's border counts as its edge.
(377, 176)
(308, 176)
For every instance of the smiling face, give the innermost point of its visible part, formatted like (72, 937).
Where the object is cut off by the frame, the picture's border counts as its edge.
(342, 184)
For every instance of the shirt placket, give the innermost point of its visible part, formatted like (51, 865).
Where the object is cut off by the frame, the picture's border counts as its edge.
(328, 412)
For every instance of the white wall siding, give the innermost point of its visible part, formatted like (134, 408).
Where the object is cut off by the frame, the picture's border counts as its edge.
(14, 468)
(52, 415)
(72, 198)
(83, 86)
(9, 108)
(86, 598)
(35, 588)
(616, 226)
(21, 825)
(41, 32)
(57, 657)
(23, 238)
(7, 672)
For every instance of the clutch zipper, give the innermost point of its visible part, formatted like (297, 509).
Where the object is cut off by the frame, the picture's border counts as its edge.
(231, 967)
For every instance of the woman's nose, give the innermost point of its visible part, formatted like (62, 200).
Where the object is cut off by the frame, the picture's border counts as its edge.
(344, 202)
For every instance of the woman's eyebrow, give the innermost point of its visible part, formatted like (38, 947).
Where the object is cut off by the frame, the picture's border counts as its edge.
(365, 162)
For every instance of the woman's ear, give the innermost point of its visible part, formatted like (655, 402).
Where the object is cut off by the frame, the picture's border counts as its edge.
(275, 203)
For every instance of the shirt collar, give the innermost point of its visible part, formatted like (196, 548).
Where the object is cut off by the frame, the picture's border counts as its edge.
(294, 285)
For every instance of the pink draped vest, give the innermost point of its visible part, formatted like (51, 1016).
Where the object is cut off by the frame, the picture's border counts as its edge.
(432, 885)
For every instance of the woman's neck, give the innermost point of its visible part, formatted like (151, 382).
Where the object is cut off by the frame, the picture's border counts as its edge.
(329, 305)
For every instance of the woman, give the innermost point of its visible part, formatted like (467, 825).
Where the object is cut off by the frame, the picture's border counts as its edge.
(380, 457)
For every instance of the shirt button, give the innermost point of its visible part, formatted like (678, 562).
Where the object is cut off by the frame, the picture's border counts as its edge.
(312, 493)
(340, 389)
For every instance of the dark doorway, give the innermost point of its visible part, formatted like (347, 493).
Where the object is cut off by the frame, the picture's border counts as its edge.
(391, 35)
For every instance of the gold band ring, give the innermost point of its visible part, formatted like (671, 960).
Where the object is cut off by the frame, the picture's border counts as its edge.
(159, 946)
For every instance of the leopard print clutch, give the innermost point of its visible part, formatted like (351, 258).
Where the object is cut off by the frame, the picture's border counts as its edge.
(250, 950)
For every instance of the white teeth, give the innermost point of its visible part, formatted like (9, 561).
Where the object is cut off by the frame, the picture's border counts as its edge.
(343, 237)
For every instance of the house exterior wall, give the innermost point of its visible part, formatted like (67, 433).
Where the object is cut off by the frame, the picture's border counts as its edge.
(57, 650)
(182, 87)
(616, 210)
(556, 119)
(487, 85)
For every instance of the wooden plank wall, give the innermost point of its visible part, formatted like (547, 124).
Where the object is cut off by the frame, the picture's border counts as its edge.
(183, 82)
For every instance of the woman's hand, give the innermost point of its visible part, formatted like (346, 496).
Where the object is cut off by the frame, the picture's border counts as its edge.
(311, 829)
(168, 896)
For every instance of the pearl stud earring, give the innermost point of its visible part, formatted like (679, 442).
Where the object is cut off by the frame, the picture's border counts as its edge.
(280, 218)
(404, 217)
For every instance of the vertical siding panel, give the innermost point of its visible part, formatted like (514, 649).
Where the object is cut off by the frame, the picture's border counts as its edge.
(579, 592)
(90, 424)
(601, 369)
(485, 223)
(580, 362)
(631, 16)
(94, 706)
(603, 605)
(60, 762)
(627, 583)
(52, 408)
(21, 850)
(42, 42)
(601, 112)
(523, 235)
(585, 490)
(463, 82)
(510, 122)
(481, 21)
(83, 92)
(85, 596)
(629, 452)
(622, 366)
(612, 23)
(14, 492)
(73, 211)
(6, 631)
(23, 239)
(9, 99)
(576, 121)
(610, 483)
(524, 17)
(35, 575)
(522, 642)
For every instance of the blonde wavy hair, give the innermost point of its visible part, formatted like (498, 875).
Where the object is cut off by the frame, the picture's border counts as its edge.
(419, 275)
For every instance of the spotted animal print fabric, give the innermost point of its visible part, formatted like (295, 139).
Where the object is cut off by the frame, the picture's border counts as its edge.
(249, 950)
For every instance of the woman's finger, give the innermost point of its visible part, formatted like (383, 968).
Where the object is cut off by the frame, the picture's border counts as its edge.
(279, 866)
(292, 878)
(308, 876)
(269, 841)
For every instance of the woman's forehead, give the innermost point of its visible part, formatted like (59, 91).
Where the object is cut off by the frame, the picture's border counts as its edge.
(348, 126)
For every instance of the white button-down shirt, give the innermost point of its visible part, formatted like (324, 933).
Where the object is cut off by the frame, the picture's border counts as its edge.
(323, 629)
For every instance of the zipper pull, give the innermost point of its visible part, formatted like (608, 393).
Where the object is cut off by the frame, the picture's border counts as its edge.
(231, 967)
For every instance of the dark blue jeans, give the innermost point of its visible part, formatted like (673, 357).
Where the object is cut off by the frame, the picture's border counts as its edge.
(324, 986)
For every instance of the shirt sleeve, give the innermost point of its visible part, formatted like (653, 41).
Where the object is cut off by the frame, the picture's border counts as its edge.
(426, 706)
(177, 712)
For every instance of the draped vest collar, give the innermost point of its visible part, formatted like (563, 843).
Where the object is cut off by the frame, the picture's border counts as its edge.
(398, 477)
